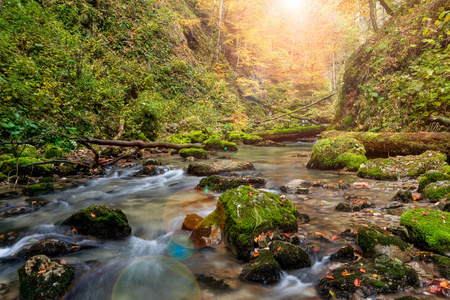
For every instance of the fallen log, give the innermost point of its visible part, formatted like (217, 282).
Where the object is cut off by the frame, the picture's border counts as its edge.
(291, 134)
(384, 144)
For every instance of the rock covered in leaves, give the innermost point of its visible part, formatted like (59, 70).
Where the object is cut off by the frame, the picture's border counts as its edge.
(44, 278)
(209, 231)
(262, 268)
(222, 166)
(379, 275)
(428, 229)
(433, 176)
(289, 256)
(402, 167)
(99, 221)
(219, 183)
(375, 240)
(336, 153)
(354, 203)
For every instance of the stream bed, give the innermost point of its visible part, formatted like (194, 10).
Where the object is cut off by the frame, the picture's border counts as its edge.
(149, 265)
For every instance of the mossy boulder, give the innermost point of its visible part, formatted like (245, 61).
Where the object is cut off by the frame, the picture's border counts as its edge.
(197, 136)
(402, 167)
(38, 189)
(375, 240)
(222, 166)
(209, 231)
(262, 268)
(219, 145)
(52, 151)
(437, 190)
(240, 137)
(151, 162)
(381, 275)
(428, 229)
(344, 254)
(289, 256)
(432, 176)
(178, 139)
(44, 278)
(292, 133)
(403, 196)
(249, 212)
(25, 151)
(440, 263)
(100, 221)
(336, 153)
(194, 152)
(219, 183)
(9, 166)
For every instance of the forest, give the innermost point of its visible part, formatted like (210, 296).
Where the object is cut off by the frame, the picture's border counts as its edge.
(224, 149)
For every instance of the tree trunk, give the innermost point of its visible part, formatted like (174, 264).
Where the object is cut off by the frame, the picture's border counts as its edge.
(373, 14)
(219, 36)
(401, 143)
(386, 7)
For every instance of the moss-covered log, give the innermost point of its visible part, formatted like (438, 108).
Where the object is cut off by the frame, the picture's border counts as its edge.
(401, 143)
(292, 133)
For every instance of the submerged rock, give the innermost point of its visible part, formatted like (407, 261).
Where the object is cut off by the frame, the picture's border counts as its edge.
(368, 277)
(375, 240)
(99, 221)
(336, 153)
(219, 183)
(44, 278)
(262, 268)
(222, 166)
(296, 186)
(151, 170)
(428, 229)
(289, 256)
(269, 143)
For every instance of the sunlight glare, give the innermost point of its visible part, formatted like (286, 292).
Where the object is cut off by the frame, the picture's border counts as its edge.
(294, 4)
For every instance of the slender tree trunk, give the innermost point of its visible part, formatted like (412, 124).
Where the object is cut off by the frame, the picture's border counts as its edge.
(219, 36)
(333, 74)
(373, 14)
(386, 7)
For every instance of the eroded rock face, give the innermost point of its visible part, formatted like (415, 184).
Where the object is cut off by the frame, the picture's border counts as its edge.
(44, 278)
(99, 221)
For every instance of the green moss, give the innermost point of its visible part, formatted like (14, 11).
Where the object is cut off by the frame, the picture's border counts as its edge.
(441, 263)
(301, 130)
(369, 237)
(52, 151)
(263, 268)
(100, 221)
(47, 180)
(179, 139)
(428, 229)
(38, 189)
(3, 177)
(197, 136)
(290, 256)
(336, 153)
(437, 190)
(430, 177)
(39, 170)
(220, 145)
(26, 151)
(240, 137)
(347, 123)
(219, 183)
(194, 152)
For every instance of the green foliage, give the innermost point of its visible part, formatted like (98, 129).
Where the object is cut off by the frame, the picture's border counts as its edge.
(52, 151)
(178, 139)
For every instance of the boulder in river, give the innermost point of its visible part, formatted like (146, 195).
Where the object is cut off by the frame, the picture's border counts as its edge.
(296, 186)
(403, 196)
(428, 229)
(436, 191)
(354, 203)
(99, 221)
(44, 278)
(219, 183)
(48, 247)
(344, 254)
(337, 153)
(38, 189)
(402, 167)
(194, 152)
(262, 268)
(433, 176)
(219, 145)
(368, 277)
(375, 240)
(221, 166)
(289, 256)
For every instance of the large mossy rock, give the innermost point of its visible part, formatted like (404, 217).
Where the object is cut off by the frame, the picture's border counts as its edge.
(44, 278)
(240, 137)
(52, 151)
(375, 240)
(249, 212)
(219, 183)
(433, 176)
(289, 256)
(436, 191)
(222, 166)
(25, 151)
(428, 229)
(403, 167)
(194, 152)
(292, 133)
(38, 189)
(9, 167)
(381, 275)
(336, 153)
(262, 268)
(100, 221)
(219, 145)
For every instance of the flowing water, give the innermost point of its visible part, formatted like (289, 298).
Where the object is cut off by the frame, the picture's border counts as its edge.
(151, 265)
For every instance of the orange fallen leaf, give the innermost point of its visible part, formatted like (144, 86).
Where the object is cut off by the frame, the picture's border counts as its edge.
(362, 270)
(279, 248)
(375, 275)
(1, 236)
(444, 284)
(426, 213)
(345, 273)
(74, 229)
(330, 277)
(75, 247)
(357, 282)
(287, 235)
(92, 215)
(443, 217)
(43, 271)
(415, 198)
(316, 248)
(256, 255)
(63, 261)
(335, 237)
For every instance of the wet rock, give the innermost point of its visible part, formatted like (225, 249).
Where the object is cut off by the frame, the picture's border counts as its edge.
(9, 195)
(219, 145)
(38, 189)
(151, 170)
(436, 191)
(152, 162)
(289, 256)
(209, 231)
(262, 268)
(441, 264)
(190, 159)
(399, 231)
(49, 247)
(269, 143)
(354, 203)
(344, 254)
(44, 278)
(344, 185)
(17, 211)
(212, 168)
(304, 218)
(301, 155)
(100, 221)
(219, 183)
(336, 153)
(23, 180)
(402, 167)
(375, 240)
(433, 176)
(428, 229)
(392, 205)
(193, 152)
(444, 206)
(403, 196)
(223, 279)
(296, 186)
(331, 186)
(7, 239)
(368, 277)
(191, 221)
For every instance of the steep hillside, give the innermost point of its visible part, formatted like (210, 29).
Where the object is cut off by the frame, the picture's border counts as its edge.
(90, 66)
(400, 76)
